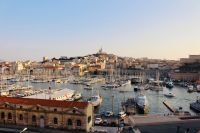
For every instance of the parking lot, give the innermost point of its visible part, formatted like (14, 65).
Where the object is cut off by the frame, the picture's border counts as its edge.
(111, 120)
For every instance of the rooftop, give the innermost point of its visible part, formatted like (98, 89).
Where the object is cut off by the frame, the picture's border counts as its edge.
(43, 102)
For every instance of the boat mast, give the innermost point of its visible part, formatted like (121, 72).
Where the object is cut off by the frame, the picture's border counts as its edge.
(1, 78)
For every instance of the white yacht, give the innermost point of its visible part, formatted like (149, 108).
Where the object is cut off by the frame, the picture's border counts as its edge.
(77, 96)
(124, 83)
(142, 103)
(14, 80)
(88, 88)
(54, 94)
(190, 88)
(95, 100)
(198, 88)
(110, 85)
(39, 81)
(170, 94)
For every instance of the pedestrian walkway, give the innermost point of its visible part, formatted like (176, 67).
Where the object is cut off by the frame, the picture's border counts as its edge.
(101, 129)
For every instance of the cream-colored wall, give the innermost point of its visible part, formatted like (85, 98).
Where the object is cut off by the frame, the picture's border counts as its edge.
(62, 114)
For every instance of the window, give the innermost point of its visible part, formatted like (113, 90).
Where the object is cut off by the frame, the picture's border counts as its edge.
(74, 111)
(55, 120)
(37, 108)
(33, 118)
(69, 122)
(20, 117)
(55, 110)
(2, 115)
(21, 107)
(78, 123)
(89, 119)
(9, 116)
(6, 106)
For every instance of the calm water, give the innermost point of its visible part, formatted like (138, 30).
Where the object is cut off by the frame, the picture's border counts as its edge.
(182, 98)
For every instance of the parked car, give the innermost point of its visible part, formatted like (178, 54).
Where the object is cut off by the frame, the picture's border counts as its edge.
(105, 123)
(122, 114)
(108, 113)
(98, 121)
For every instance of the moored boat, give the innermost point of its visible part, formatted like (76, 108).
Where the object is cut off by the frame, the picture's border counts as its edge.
(77, 96)
(142, 103)
(169, 84)
(88, 88)
(95, 100)
(156, 86)
(190, 88)
(170, 94)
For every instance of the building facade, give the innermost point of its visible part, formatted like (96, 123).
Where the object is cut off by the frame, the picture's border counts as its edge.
(79, 69)
(185, 76)
(46, 113)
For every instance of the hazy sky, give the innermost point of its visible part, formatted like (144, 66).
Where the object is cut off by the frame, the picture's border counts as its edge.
(31, 29)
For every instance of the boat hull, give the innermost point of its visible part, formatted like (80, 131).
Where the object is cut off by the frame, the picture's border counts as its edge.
(143, 110)
(169, 86)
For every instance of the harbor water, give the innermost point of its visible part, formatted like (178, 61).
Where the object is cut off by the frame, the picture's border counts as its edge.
(155, 98)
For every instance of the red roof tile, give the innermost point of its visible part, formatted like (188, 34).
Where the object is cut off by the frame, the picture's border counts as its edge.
(44, 102)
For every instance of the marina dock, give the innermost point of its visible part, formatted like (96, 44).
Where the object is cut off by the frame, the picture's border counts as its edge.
(169, 106)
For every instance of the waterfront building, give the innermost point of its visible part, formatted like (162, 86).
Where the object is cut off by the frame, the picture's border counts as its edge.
(17, 67)
(186, 76)
(79, 69)
(46, 113)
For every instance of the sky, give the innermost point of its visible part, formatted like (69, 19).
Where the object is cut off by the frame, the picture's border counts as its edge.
(161, 29)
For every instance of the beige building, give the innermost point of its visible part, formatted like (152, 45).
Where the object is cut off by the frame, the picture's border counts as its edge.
(46, 113)
(17, 67)
(79, 69)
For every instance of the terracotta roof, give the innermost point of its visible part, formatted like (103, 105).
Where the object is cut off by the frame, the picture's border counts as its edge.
(54, 67)
(43, 102)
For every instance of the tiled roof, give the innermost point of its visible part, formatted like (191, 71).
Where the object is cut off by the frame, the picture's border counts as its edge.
(43, 102)
(54, 67)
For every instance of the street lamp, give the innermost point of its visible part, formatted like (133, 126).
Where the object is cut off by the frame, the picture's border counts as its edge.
(24, 130)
